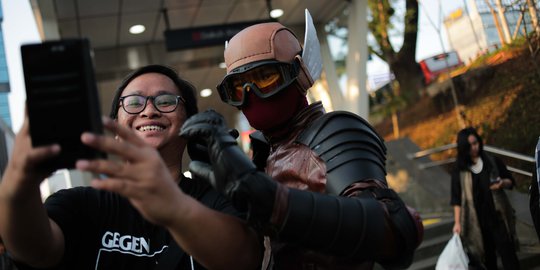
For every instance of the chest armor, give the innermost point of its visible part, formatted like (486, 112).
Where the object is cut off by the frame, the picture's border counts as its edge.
(333, 152)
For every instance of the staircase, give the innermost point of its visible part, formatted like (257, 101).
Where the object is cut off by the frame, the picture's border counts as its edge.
(435, 238)
(437, 235)
(428, 191)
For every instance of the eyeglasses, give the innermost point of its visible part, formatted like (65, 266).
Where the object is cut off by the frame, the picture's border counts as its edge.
(164, 103)
(264, 78)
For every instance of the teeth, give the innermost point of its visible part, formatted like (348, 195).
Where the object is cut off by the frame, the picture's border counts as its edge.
(149, 128)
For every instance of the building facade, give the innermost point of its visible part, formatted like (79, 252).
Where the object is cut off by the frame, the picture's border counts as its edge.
(6, 133)
(472, 30)
(19, 17)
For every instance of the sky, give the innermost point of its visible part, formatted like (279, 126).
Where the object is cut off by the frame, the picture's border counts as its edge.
(18, 31)
(428, 40)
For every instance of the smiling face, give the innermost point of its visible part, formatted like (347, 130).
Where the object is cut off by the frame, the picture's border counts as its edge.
(154, 127)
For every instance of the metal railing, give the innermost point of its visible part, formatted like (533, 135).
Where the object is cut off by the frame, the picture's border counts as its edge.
(487, 148)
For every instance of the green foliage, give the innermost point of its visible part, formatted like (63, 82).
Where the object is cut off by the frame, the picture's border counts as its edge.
(380, 24)
(384, 16)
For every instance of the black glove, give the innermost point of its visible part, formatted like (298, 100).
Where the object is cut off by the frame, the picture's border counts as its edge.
(260, 149)
(231, 171)
(198, 150)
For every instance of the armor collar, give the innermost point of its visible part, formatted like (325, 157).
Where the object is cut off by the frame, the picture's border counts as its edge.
(291, 129)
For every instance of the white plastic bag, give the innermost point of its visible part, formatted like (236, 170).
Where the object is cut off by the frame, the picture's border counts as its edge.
(453, 256)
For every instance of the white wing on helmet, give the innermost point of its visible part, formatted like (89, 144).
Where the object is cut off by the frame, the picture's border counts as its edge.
(312, 49)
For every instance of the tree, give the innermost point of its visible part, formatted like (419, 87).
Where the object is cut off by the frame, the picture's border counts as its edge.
(534, 18)
(403, 62)
(497, 23)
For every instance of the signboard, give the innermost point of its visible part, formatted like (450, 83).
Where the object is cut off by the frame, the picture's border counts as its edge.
(196, 37)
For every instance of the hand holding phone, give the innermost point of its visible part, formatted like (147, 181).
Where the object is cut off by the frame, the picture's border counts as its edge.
(62, 98)
(495, 180)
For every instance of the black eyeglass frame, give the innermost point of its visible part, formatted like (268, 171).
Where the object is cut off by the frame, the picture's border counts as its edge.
(153, 99)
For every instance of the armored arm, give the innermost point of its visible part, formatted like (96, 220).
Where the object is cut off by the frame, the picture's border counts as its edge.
(369, 220)
(371, 224)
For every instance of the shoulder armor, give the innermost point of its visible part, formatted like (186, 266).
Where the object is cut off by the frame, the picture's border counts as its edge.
(350, 147)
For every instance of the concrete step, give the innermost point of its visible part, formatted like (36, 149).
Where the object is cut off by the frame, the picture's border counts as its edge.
(428, 191)
(529, 261)
(424, 264)
(436, 236)
(443, 227)
(431, 247)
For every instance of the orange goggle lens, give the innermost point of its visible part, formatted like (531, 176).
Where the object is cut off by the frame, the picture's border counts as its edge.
(264, 80)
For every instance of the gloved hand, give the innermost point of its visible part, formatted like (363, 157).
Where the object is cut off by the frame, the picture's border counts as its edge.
(260, 149)
(198, 150)
(231, 172)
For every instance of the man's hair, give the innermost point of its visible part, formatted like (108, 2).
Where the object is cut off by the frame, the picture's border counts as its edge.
(464, 159)
(187, 90)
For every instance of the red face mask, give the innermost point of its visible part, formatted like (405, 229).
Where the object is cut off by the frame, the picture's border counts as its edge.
(271, 112)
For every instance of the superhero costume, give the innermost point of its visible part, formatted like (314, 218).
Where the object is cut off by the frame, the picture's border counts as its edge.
(337, 153)
(324, 200)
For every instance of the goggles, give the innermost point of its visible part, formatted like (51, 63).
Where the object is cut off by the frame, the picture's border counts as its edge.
(265, 79)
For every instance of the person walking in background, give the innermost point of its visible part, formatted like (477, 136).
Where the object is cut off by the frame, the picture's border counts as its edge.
(534, 192)
(534, 204)
(144, 214)
(323, 199)
(483, 215)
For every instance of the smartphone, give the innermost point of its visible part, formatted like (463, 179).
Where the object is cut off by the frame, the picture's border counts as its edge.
(494, 180)
(62, 98)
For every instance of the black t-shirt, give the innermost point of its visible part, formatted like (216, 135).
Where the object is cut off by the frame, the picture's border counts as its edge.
(103, 230)
(482, 197)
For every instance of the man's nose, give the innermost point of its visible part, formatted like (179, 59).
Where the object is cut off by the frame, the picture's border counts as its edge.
(150, 108)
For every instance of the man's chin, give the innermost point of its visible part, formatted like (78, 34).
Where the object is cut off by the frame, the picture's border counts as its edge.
(153, 142)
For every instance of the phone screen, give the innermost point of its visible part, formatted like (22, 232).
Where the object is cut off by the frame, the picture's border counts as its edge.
(62, 98)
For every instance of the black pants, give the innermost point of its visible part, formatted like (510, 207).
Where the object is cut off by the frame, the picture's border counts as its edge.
(497, 240)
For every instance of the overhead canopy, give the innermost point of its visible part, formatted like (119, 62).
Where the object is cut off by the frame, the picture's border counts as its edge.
(106, 23)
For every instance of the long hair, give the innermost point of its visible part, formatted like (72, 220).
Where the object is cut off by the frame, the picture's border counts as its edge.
(187, 90)
(464, 160)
